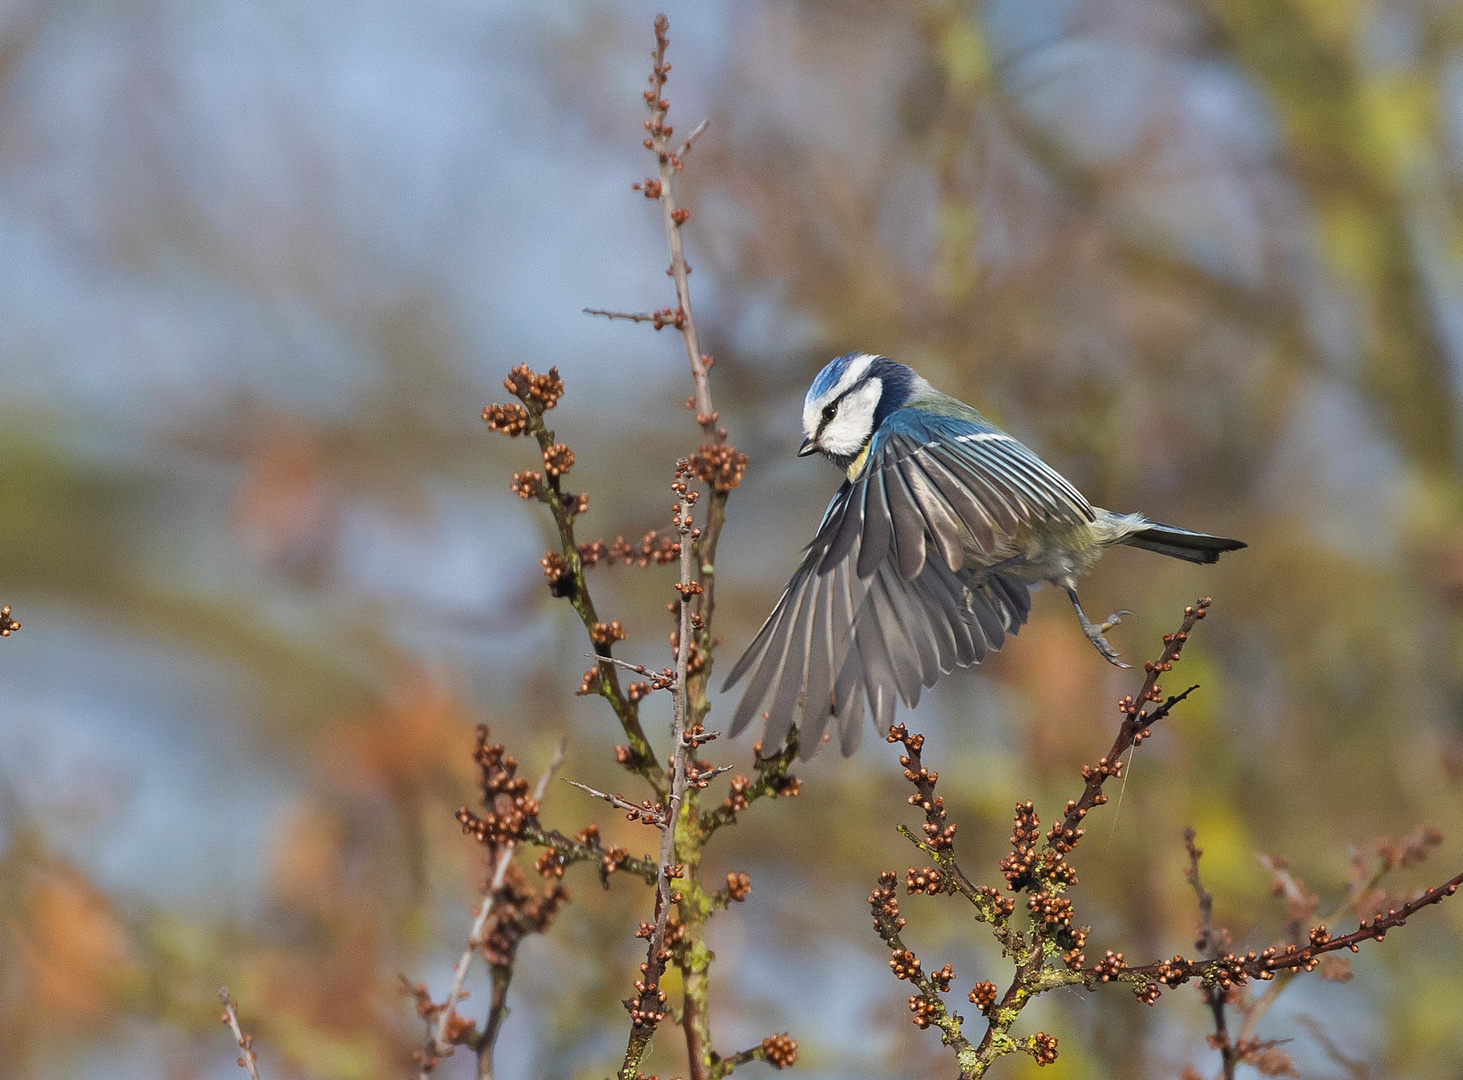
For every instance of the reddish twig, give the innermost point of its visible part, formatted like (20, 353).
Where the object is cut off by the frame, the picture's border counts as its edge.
(1232, 968)
(8, 625)
(720, 466)
(564, 569)
(247, 1057)
(668, 163)
(1049, 954)
(1137, 721)
(1302, 905)
(1207, 943)
(438, 1045)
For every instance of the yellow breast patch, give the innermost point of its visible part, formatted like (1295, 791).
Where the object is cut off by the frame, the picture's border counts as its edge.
(856, 466)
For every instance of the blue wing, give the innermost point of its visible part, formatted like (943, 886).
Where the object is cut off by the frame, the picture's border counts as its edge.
(869, 613)
(955, 483)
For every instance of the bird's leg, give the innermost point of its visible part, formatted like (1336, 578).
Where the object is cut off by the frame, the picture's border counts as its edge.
(1094, 632)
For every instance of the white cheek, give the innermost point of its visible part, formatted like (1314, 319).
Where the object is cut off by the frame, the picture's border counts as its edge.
(846, 432)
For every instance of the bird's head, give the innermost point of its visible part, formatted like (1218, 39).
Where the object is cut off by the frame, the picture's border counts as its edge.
(848, 401)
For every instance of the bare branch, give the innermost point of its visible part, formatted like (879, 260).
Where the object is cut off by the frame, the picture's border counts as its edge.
(630, 316)
(247, 1057)
(1207, 943)
(1265, 964)
(691, 138)
(665, 675)
(644, 812)
(668, 164)
(1137, 721)
(439, 1046)
(648, 1009)
(720, 466)
(564, 569)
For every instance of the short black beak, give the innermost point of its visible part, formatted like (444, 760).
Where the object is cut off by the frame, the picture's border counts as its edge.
(810, 446)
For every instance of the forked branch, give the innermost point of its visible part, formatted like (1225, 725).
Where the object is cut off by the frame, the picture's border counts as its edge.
(1048, 952)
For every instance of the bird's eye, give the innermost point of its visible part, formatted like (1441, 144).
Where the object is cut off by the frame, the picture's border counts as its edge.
(829, 411)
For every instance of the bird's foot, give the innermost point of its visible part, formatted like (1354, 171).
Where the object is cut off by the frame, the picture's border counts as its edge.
(1105, 650)
(1094, 632)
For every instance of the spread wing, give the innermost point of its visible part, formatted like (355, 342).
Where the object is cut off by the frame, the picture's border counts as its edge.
(869, 613)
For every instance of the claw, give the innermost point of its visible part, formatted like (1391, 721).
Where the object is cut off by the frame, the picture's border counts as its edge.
(1100, 643)
(1094, 633)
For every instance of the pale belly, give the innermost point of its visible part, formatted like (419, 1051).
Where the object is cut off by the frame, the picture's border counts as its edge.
(1054, 552)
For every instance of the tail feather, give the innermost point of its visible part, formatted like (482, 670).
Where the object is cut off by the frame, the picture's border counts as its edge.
(1184, 544)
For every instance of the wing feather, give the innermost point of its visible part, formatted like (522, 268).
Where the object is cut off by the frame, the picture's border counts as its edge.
(1042, 498)
(769, 663)
(979, 523)
(917, 617)
(822, 652)
(892, 591)
(851, 526)
(879, 625)
(878, 534)
(937, 596)
(992, 501)
(941, 523)
(909, 523)
(792, 672)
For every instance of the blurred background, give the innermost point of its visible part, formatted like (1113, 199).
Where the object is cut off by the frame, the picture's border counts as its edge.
(262, 264)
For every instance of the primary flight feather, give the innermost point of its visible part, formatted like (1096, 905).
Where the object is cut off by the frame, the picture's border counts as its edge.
(925, 558)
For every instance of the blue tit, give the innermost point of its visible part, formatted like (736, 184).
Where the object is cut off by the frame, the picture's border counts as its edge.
(925, 558)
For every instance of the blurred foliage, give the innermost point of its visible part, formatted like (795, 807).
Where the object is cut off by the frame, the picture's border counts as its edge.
(1204, 255)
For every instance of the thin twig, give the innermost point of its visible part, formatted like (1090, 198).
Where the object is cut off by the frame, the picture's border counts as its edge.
(247, 1058)
(439, 1045)
(1134, 728)
(638, 669)
(772, 779)
(651, 815)
(1357, 1070)
(721, 467)
(928, 1005)
(1204, 942)
(631, 316)
(727, 1065)
(1266, 964)
(1257, 1009)
(589, 848)
(669, 164)
(691, 138)
(571, 583)
(1207, 942)
(1294, 893)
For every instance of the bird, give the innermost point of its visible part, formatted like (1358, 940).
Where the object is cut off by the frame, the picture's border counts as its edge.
(925, 558)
